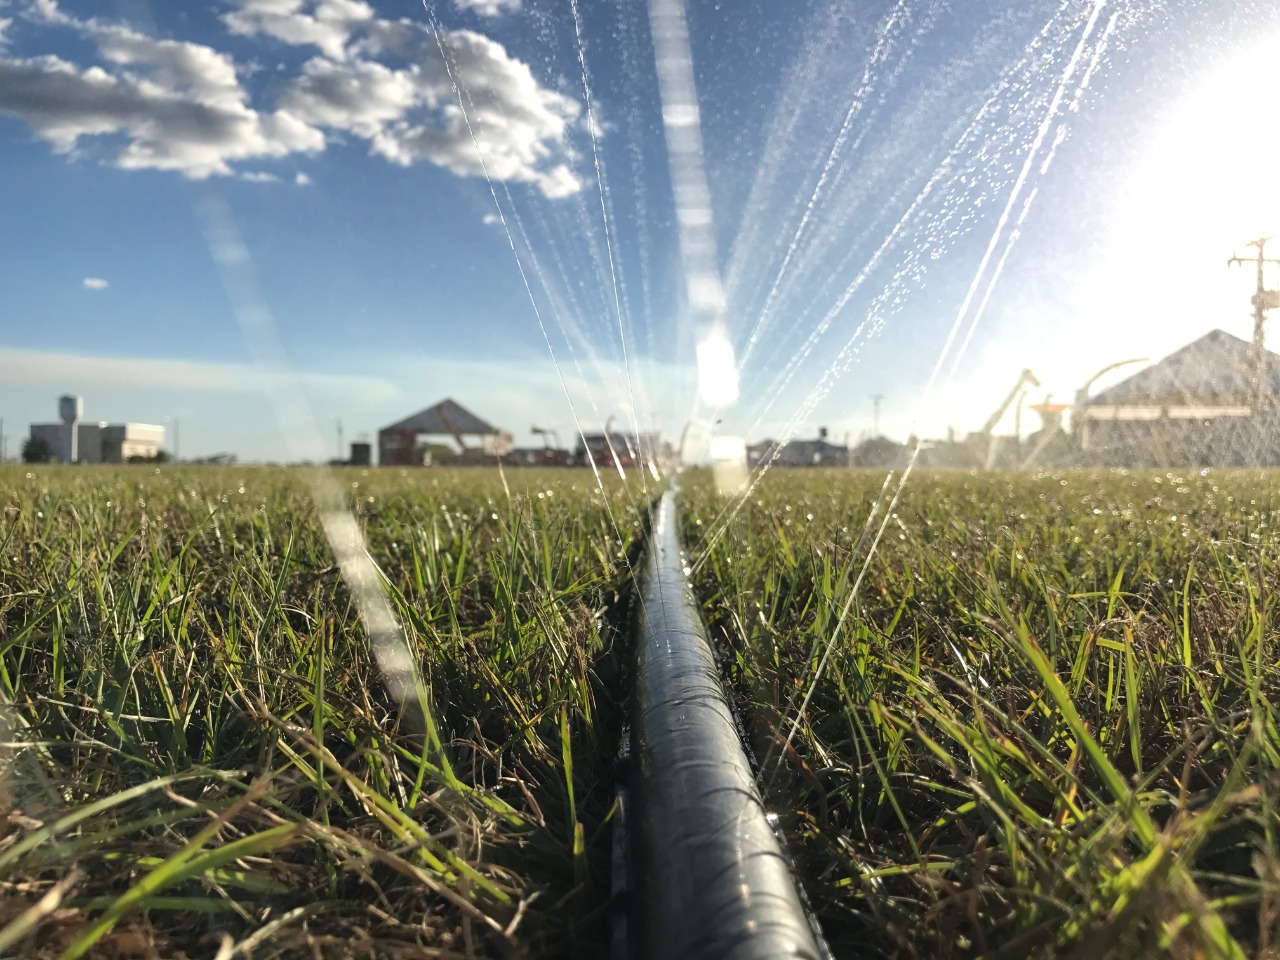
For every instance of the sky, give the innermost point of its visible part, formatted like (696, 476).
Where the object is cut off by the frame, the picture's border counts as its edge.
(268, 220)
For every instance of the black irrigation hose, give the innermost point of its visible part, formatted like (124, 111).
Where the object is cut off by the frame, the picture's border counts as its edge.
(708, 878)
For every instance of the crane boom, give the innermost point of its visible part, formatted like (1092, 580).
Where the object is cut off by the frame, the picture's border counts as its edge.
(1026, 378)
(546, 432)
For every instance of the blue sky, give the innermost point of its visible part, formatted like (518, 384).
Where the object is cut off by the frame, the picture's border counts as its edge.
(873, 168)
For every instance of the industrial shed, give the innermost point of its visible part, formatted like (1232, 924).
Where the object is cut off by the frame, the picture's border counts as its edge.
(1193, 408)
(407, 442)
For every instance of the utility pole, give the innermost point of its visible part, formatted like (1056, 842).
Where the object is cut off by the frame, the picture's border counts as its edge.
(1263, 301)
(876, 399)
(338, 421)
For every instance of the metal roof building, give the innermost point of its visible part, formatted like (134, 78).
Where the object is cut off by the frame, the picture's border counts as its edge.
(1193, 408)
(400, 444)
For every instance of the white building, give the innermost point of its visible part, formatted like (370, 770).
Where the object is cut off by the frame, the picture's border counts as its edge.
(96, 442)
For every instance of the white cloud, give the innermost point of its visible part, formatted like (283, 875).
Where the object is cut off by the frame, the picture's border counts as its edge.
(360, 97)
(48, 10)
(491, 218)
(327, 24)
(162, 129)
(488, 8)
(21, 367)
(302, 180)
(259, 176)
(95, 283)
(176, 105)
(5, 24)
(190, 69)
(520, 128)
(172, 105)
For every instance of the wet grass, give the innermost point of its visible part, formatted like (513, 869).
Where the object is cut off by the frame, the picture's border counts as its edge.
(1047, 728)
(199, 754)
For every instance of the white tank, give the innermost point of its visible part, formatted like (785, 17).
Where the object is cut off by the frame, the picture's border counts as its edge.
(70, 409)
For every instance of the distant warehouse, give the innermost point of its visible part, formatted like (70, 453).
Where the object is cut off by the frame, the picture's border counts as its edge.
(1195, 407)
(416, 440)
(74, 441)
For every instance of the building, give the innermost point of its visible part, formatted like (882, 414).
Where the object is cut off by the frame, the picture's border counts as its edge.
(799, 453)
(361, 454)
(879, 452)
(1193, 408)
(74, 441)
(102, 442)
(415, 440)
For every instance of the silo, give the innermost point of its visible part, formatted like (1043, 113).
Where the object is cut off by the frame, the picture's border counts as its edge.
(70, 409)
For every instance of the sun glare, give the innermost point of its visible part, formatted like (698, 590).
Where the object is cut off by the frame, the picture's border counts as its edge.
(717, 371)
(1204, 187)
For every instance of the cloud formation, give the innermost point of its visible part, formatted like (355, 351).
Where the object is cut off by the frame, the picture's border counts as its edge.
(488, 8)
(23, 367)
(360, 97)
(395, 89)
(95, 283)
(175, 105)
(326, 24)
(153, 103)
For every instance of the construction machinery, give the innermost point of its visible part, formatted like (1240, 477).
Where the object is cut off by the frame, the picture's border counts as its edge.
(1018, 394)
(544, 433)
(1025, 379)
(551, 454)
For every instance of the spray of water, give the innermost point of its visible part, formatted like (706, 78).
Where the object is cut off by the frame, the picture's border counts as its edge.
(872, 69)
(458, 90)
(879, 517)
(934, 219)
(606, 217)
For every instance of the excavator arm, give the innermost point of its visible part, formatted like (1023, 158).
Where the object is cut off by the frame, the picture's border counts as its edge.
(1026, 378)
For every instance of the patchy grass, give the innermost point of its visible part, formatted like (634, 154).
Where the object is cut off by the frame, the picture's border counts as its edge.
(200, 756)
(1047, 726)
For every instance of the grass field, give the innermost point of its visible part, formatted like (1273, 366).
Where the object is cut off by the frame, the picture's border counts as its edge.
(212, 765)
(1047, 725)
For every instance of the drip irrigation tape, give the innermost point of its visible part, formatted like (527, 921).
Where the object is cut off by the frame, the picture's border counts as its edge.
(708, 876)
